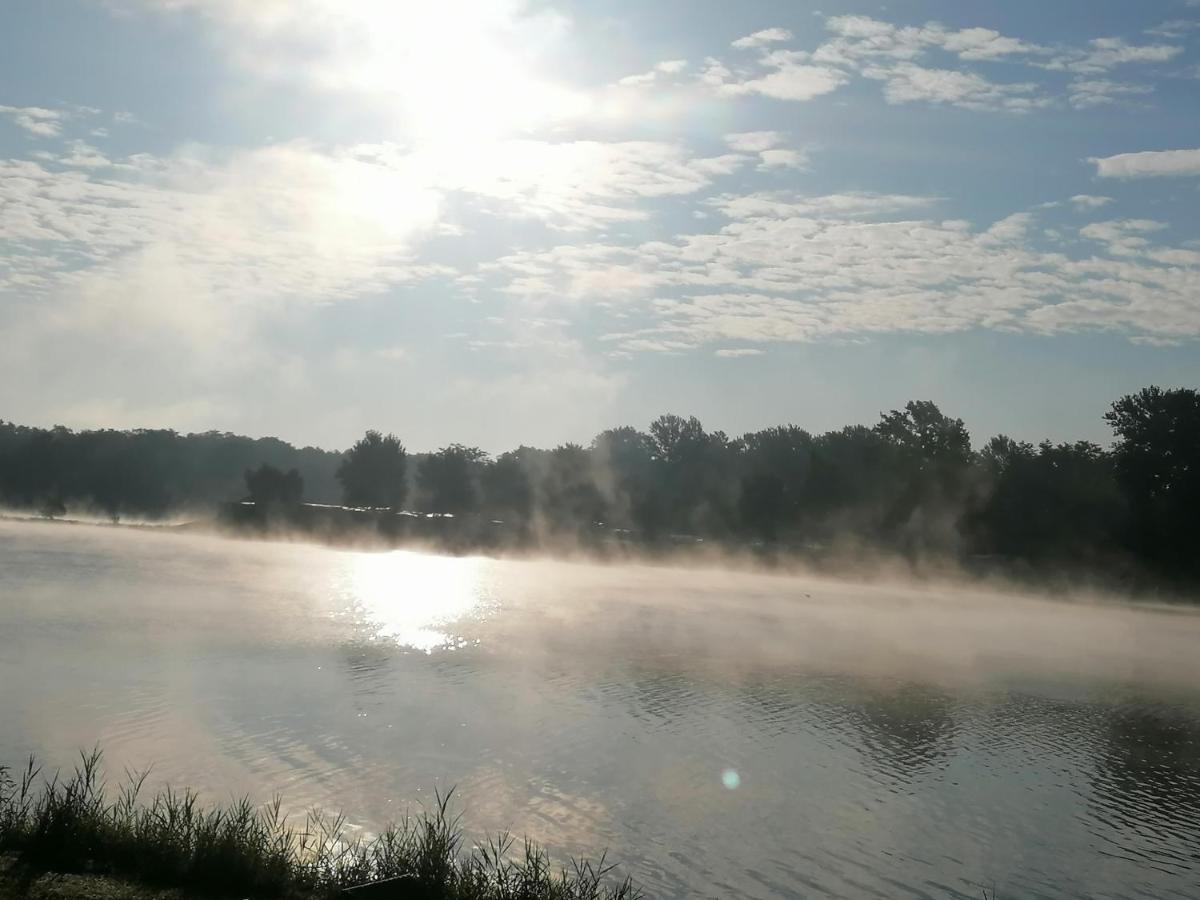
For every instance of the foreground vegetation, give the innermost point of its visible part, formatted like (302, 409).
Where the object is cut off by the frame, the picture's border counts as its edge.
(73, 825)
(912, 485)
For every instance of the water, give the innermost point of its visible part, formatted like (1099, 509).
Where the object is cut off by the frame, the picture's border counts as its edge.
(723, 735)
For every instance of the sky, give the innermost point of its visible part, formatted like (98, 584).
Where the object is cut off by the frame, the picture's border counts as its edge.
(499, 222)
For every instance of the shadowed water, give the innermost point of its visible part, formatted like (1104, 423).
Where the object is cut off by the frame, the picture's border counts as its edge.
(723, 735)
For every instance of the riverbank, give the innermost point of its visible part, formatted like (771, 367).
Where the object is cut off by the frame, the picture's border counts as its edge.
(58, 886)
(67, 837)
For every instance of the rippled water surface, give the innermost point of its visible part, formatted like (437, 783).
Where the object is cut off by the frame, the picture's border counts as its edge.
(723, 735)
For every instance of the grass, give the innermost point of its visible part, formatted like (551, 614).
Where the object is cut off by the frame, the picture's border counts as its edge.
(73, 824)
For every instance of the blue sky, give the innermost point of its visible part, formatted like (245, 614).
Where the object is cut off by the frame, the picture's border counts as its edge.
(498, 222)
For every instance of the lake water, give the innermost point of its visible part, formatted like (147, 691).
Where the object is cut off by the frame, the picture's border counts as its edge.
(723, 735)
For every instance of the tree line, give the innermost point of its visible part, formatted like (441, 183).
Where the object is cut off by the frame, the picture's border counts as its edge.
(911, 484)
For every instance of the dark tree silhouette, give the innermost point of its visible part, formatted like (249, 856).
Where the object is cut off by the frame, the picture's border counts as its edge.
(372, 472)
(506, 488)
(570, 500)
(1055, 502)
(1157, 457)
(625, 462)
(268, 486)
(148, 473)
(449, 479)
(777, 465)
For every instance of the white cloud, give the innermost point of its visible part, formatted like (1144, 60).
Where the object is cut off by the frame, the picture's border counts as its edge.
(851, 205)
(282, 222)
(1104, 54)
(894, 54)
(861, 38)
(1085, 94)
(753, 141)
(1124, 237)
(766, 145)
(980, 43)
(1174, 29)
(783, 159)
(1089, 201)
(1148, 164)
(795, 269)
(788, 78)
(762, 38)
(667, 67)
(36, 120)
(574, 185)
(907, 83)
(739, 352)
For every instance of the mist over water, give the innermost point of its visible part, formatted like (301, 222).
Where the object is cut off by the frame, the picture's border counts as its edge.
(721, 733)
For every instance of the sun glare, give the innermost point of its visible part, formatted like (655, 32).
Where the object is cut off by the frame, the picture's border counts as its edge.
(414, 598)
(460, 70)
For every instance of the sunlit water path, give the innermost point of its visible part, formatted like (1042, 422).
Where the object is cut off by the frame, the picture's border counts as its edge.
(723, 735)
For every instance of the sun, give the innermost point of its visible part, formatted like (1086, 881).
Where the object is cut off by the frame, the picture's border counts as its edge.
(455, 71)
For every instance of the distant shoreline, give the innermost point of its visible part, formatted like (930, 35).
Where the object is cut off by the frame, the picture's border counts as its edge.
(849, 563)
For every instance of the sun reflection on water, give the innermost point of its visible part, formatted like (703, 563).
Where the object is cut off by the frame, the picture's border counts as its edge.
(414, 598)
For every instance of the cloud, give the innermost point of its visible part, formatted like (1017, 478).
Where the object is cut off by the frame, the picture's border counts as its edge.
(739, 352)
(285, 219)
(1102, 92)
(753, 141)
(766, 145)
(1124, 237)
(1088, 201)
(860, 38)
(784, 205)
(783, 159)
(1148, 164)
(980, 43)
(1174, 29)
(787, 77)
(795, 269)
(907, 83)
(1103, 54)
(667, 67)
(39, 122)
(573, 185)
(762, 38)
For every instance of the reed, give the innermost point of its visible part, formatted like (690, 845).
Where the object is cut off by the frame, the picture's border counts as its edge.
(75, 824)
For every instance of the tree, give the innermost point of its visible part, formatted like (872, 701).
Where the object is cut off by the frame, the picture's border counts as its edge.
(933, 438)
(448, 479)
(268, 486)
(506, 488)
(372, 472)
(678, 440)
(1157, 456)
(777, 463)
(569, 497)
(624, 464)
(934, 469)
(1056, 503)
